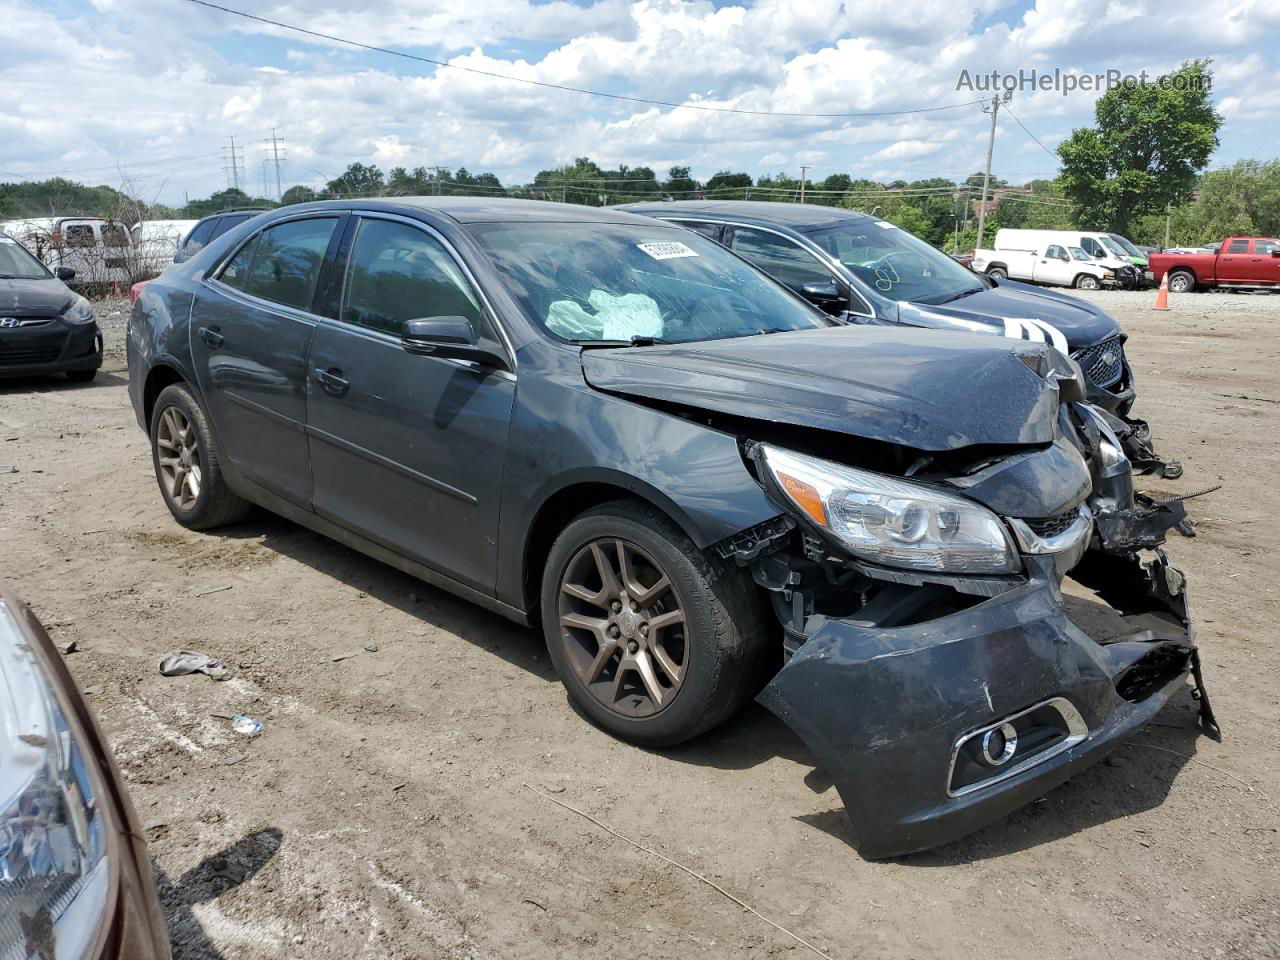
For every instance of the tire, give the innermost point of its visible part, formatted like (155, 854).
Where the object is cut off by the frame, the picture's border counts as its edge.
(211, 503)
(998, 273)
(82, 376)
(1086, 281)
(1181, 281)
(718, 647)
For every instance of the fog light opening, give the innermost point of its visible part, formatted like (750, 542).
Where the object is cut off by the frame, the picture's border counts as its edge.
(999, 745)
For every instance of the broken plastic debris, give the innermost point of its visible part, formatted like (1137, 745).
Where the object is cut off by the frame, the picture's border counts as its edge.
(177, 663)
(246, 725)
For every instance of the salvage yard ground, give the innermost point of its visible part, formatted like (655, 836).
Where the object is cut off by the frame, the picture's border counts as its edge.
(383, 812)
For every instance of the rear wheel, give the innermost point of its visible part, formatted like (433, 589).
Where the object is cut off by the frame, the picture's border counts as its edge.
(1181, 281)
(186, 462)
(654, 641)
(998, 273)
(1086, 281)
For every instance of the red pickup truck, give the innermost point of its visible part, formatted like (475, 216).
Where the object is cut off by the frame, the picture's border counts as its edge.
(1239, 262)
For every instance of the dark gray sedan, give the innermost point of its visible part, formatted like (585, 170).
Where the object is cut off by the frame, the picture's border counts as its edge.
(700, 487)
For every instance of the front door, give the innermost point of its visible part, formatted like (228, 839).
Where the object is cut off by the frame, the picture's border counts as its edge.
(1055, 266)
(1262, 269)
(408, 450)
(251, 327)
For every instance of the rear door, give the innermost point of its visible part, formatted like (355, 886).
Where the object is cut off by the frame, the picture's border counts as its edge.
(251, 328)
(408, 450)
(1233, 262)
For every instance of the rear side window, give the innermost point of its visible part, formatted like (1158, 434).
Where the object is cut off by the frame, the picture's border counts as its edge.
(199, 237)
(286, 262)
(1238, 246)
(398, 273)
(780, 258)
(711, 231)
(226, 223)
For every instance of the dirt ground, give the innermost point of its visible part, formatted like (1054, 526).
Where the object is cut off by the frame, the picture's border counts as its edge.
(383, 811)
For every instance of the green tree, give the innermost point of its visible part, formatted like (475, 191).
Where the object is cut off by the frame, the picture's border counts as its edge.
(1150, 141)
(728, 186)
(679, 184)
(580, 182)
(298, 194)
(222, 200)
(358, 180)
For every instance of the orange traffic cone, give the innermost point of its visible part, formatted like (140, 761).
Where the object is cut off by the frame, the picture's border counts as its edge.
(1162, 295)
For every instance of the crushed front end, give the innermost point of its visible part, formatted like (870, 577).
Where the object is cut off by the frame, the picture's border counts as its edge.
(940, 699)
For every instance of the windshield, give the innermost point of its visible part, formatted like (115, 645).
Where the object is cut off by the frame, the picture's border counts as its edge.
(608, 281)
(1078, 254)
(1115, 248)
(17, 264)
(1127, 246)
(895, 263)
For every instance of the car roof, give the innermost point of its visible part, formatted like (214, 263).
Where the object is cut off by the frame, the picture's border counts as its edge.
(481, 209)
(798, 216)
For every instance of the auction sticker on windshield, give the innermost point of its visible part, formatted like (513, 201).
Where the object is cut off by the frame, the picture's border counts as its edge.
(669, 250)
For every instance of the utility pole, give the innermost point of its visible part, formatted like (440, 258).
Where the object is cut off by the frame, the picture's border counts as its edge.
(233, 169)
(994, 109)
(1168, 215)
(277, 154)
(803, 170)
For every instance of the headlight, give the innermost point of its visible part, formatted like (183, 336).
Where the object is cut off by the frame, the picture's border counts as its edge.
(894, 522)
(54, 835)
(80, 311)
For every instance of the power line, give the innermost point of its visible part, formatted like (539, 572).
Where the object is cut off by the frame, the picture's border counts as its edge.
(111, 166)
(1032, 135)
(560, 86)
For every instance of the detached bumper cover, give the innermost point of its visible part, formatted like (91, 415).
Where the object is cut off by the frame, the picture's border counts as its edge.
(883, 709)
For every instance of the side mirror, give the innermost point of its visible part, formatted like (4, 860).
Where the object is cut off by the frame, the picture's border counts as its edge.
(65, 274)
(825, 295)
(1275, 251)
(450, 338)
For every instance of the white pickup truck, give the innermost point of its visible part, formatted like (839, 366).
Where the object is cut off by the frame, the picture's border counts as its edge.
(1053, 264)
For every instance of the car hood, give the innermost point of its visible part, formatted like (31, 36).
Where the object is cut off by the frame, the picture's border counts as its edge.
(924, 391)
(46, 297)
(1080, 323)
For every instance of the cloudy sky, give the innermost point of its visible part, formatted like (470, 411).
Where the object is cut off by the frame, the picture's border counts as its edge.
(151, 89)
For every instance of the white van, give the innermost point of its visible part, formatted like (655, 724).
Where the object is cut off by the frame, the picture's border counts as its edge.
(156, 241)
(1109, 250)
(100, 251)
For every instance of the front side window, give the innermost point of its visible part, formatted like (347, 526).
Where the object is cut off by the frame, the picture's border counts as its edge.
(1265, 246)
(79, 235)
(895, 263)
(399, 273)
(286, 262)
(613, 281)
(779, 257)
(1055, 252)
(1093, 248)
(1238, 246)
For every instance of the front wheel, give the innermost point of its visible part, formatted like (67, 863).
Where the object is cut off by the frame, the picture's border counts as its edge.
(1181, 282)
(998, 273)
(187, 464)
(655, 642)
(1086, 281)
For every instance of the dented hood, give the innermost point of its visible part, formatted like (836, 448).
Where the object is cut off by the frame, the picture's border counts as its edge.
(925, 390)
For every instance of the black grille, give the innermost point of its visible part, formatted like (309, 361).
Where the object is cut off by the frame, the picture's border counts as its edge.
(12, 356)
(1103, 363)
(1052, 526)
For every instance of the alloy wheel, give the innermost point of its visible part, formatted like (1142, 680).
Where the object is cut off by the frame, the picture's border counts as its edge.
(622, 627)
(178, 458)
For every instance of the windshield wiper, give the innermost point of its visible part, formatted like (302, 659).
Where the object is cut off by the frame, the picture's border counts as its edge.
(633, 342)
(963, 293)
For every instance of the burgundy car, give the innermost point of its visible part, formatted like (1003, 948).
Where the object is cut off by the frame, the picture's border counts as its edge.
(74, 876)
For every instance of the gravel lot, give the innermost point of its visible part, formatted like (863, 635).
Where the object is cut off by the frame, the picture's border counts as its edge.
(384, 811)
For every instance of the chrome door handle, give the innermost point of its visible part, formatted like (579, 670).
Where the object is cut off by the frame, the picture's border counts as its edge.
(331, 380)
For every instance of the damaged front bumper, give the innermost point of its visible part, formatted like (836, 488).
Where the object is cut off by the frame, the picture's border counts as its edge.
(914, 723)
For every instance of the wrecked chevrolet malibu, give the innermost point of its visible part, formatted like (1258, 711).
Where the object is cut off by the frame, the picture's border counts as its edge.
(702, 488)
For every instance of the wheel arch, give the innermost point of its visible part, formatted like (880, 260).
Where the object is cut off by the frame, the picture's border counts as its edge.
(161, 375)
(569, 501)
